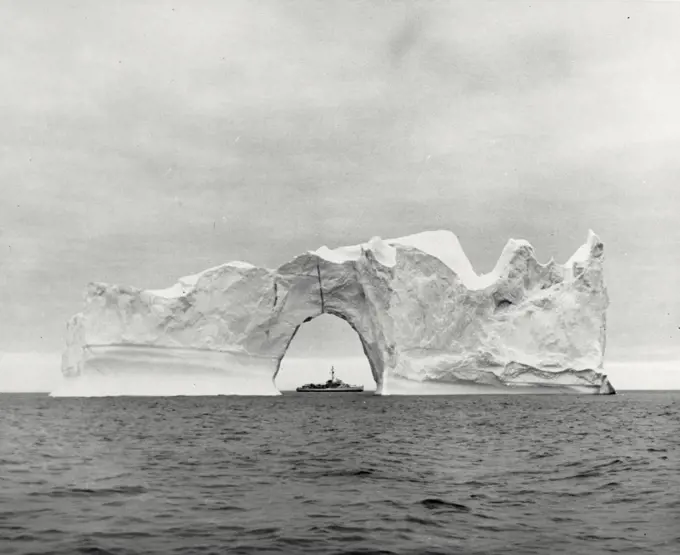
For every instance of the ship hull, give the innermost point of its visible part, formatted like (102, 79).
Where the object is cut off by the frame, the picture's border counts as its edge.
(330, 390)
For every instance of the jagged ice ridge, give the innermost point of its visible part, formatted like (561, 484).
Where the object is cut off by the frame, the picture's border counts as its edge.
(425, 319)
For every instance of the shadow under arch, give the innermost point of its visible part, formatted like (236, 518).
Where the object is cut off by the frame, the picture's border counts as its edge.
(375, 362)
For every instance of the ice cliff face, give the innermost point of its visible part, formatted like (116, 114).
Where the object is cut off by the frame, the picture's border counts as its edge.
(424, 317)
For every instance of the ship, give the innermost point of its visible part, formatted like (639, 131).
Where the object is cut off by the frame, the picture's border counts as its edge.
(331, 386)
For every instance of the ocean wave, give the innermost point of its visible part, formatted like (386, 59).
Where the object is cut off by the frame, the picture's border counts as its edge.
(322, 475)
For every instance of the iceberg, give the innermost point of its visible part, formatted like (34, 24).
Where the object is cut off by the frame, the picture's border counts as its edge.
(427, 322)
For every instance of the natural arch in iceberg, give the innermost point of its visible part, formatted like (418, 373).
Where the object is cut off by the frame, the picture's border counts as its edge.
(422, 314)
(325, 341)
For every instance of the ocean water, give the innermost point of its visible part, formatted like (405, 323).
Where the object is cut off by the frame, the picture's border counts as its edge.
(305, 473)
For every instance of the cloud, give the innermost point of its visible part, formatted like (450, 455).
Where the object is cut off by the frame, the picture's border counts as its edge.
(146, 141)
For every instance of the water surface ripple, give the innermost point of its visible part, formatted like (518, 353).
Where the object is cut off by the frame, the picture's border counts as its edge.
(344, 473)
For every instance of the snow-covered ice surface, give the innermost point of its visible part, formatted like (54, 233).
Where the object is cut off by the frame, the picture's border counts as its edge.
(426, 321)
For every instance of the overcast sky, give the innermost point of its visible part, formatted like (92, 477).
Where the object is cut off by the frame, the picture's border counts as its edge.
(143, 141)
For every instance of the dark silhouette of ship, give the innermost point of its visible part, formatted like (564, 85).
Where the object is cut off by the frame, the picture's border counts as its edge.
(331, 386)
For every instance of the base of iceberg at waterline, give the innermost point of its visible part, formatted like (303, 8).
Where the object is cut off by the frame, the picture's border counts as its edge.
(123, 370)
(397, 386)
(134, 370)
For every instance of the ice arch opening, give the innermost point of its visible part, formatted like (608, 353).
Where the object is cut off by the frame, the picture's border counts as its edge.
(310, 286)
(317, 344)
